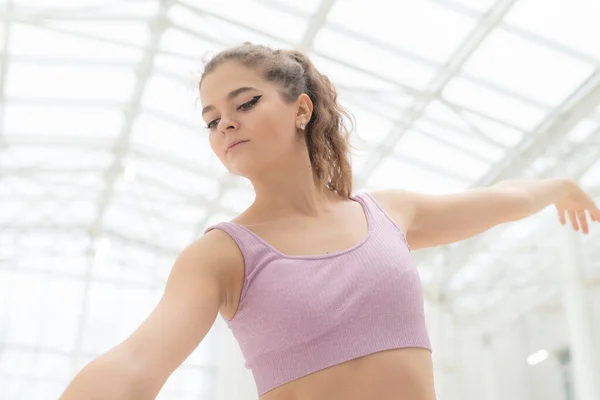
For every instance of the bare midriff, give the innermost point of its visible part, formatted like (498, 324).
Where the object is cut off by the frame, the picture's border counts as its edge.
(400, 374)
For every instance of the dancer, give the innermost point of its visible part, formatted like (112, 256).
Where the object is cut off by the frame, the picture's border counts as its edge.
(316, 283)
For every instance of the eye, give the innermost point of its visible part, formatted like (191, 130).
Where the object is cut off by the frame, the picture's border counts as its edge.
(250, 104)
(212, 124)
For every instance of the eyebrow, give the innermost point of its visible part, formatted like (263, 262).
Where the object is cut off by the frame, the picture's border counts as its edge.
(231, 95)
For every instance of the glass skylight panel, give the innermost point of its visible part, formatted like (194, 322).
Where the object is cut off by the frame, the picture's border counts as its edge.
(122, 219)
(135, 32)
(180, 211)
(153, 190)
(399, 174)
(125, 265)
(499, 132)
(72, 265)
(583, 130)
(54, 119)
(418, 146)
(99, 327)
(370, 129)
(134, 274)
(24, 303)
(471, 142)
(526, 68)
(238, 199)
(181, 182)
(380, 62)
(54, 157)
(424, 28)
(347, 79)
(222, 215)
(65, 6)
(71, 180)
(385, 104)
(360, 156)
(28, 40)
(495, 105)
(398, 101)
(161, 136)
(187, 69)
(185, 45)
(592, 177)
(114, 311)
(442, 112)
(478, 5)
(571, 23)
(70, 82)
(235, 33)
(306, 6)
(73, 211)
(173, 98)
(59, 317)
(51, 366)
(286, 26)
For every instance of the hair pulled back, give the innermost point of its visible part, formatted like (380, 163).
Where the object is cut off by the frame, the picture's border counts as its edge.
(327, 135)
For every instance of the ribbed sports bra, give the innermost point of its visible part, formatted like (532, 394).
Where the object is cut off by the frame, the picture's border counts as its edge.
(300, 314)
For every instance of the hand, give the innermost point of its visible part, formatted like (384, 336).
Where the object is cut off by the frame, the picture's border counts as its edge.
(575, 204)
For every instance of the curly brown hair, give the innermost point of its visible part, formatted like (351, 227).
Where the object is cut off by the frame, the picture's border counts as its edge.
(327, 133)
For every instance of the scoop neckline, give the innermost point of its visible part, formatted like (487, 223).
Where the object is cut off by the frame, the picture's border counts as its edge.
(367, 214)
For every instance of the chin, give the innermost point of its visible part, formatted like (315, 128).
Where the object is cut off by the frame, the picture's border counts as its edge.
(244, 170)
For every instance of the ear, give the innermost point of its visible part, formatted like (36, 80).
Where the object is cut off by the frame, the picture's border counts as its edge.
(304, 109)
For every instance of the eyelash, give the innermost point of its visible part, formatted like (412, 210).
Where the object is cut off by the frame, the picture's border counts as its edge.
(244, 107)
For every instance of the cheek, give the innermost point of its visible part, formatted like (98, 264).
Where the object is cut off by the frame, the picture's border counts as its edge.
(279, 129)
(216, 143)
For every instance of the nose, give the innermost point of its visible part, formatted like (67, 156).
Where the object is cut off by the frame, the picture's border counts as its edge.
(226, 124)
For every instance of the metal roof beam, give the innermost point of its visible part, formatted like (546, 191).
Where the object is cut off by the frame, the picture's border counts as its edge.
(317, 21)
(485, 26)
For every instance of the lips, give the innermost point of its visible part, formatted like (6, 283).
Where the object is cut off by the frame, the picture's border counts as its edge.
(233, 144)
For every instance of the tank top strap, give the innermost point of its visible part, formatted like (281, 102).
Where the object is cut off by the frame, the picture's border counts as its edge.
(379, 217)
(242, 237)
(254, 250)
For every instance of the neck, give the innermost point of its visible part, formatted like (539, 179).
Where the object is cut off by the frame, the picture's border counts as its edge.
(292, 189)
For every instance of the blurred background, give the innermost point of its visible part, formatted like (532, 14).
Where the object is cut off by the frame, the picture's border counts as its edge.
(106, 174)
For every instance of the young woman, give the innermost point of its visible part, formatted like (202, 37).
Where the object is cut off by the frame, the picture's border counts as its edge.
(316, 284)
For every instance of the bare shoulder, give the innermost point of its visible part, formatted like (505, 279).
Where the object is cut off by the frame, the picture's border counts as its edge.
(220, 257)
(398, 204)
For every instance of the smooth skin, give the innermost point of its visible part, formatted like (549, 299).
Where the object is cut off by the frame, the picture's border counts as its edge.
(293, 214)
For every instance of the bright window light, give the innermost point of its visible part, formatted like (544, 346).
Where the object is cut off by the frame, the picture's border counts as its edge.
(537, 357)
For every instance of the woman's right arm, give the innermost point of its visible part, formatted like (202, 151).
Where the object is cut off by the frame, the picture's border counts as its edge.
(138, 367)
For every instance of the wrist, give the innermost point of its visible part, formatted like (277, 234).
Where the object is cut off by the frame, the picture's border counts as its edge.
(566, 186)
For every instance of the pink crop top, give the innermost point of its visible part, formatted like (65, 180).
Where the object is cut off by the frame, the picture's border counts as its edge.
(300, 314)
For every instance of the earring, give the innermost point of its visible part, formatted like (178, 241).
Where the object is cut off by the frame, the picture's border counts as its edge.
(302, 126)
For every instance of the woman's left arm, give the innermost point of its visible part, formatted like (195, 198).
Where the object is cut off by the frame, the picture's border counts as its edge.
(432, 220)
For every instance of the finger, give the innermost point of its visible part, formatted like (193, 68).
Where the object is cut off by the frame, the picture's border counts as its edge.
(595, 213)
(561, 215)
(593, 210)
(573, 219)
(583, 223)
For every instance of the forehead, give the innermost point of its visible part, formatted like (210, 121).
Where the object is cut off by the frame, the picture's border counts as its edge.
(226, 78)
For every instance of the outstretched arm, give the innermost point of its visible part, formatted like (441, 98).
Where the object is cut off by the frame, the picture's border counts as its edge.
(138, 367)
(432, 220)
